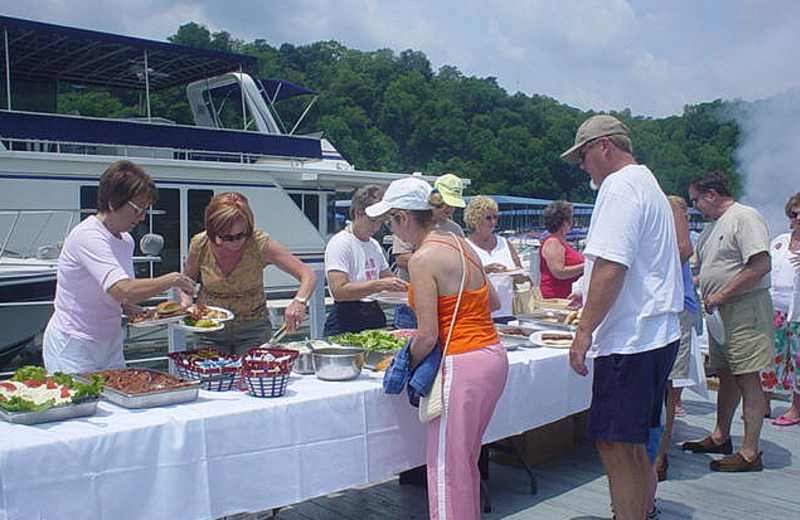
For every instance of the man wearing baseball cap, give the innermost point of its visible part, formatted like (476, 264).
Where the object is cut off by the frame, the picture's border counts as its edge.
(632, 296)
(451, 188)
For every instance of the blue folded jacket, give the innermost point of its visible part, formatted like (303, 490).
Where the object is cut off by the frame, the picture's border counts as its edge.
(417, 382)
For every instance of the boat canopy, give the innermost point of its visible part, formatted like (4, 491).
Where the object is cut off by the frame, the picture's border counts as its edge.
(47, 52)
(273, 90)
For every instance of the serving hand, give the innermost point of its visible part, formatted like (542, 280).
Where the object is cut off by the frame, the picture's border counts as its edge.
(393, 284)
(494, 268)
(294, 315)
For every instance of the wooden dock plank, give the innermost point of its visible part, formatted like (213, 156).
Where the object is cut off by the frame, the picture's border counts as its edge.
(574, 486)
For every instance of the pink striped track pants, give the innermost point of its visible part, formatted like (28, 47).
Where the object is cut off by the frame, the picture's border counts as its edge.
(473, 382)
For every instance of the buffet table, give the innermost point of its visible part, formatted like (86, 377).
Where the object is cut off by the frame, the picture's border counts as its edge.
(229, 452)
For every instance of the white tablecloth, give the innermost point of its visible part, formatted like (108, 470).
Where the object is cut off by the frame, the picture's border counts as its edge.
(229, 452)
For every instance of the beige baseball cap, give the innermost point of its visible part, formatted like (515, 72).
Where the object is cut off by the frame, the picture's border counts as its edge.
(593, 128)
(451, 189)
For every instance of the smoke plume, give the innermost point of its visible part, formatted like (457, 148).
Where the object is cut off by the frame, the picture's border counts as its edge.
(768, 156)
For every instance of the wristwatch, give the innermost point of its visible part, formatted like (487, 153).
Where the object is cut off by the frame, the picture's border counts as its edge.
(302, 300)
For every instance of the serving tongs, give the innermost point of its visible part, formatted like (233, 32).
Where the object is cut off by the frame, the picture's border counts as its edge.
(279, 334)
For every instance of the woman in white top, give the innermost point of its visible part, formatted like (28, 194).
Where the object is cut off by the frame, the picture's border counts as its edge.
(95, 280)
(356, 268)
(785, 292)
(496, 253)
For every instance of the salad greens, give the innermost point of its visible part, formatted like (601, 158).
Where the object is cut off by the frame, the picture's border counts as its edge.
(32, 374)
(376, 340)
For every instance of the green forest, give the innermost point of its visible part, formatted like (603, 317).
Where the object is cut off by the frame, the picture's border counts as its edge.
(391, 111)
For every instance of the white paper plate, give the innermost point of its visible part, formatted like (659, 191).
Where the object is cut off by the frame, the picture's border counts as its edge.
(536, 339)
(156, 323)
(391, 297)
(182, 325)
(715, 327)
(229, 315)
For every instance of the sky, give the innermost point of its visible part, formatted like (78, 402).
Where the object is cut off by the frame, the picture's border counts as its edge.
(650, 56)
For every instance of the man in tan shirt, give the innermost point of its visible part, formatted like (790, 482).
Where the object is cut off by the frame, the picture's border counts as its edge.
(734, 262)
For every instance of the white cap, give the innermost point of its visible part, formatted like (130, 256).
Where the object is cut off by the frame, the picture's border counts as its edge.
(407, 193)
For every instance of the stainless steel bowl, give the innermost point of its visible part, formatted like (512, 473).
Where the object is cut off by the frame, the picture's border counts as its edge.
(338, 363)
(304, 364)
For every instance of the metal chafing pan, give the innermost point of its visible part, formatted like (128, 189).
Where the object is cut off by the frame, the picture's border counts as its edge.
(186, 393)
(87, 406)
(546, 320)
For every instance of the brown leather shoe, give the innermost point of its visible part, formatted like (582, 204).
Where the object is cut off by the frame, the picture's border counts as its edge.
(708, 445)
(737, 463)
(662, 463)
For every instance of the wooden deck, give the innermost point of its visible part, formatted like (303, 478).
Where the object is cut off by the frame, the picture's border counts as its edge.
(574, 486)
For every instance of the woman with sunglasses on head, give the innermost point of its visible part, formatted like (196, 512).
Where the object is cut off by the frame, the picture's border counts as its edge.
(96, 281)
(229, 258)
(356, 267)
(785, 292)
(497, 254)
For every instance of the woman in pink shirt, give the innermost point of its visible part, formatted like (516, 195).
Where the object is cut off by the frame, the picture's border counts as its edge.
(95, 282)
(559, 264)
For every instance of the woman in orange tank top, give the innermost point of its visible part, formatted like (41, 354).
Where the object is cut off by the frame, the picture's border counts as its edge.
(475, 365)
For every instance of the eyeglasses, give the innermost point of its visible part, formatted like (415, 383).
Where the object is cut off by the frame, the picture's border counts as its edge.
(491, 217)
(137, 208)
(234, 238)
(589, 144)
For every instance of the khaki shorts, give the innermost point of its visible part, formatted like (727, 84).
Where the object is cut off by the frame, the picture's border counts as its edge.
(680, 370)
(748, 344)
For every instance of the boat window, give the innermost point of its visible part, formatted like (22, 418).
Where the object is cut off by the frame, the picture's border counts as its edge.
(197, 200)
(309, 203)
(166, 224)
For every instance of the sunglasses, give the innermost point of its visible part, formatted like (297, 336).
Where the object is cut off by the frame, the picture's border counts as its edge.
(793, 214)
(139, 210)
(586, 148)
(491, 217)
(234, 238)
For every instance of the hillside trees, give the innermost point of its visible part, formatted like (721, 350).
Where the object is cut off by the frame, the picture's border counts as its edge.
(391, 111)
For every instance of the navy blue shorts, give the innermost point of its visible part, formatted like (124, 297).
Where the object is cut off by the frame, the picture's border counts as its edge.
(628, 393)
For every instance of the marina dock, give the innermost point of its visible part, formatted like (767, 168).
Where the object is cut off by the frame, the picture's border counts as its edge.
(574, 487)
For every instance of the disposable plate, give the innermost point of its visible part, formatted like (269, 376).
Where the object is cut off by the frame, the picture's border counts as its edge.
(391, 297)
(218, 326)
(160, 321)
(536, 339)
(229, 315)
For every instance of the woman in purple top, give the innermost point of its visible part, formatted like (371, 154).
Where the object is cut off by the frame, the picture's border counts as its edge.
(95, 282)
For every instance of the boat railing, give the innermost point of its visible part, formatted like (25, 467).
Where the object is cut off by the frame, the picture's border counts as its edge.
(60, 133)
(139, 152)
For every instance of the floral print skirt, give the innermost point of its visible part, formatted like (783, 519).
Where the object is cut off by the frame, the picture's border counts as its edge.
(783, 377)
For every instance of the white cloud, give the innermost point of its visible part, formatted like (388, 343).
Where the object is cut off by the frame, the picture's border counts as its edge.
(649, 55)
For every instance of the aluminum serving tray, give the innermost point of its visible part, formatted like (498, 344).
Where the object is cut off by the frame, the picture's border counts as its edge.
(186, 393)
(87, 406)
(546, 320)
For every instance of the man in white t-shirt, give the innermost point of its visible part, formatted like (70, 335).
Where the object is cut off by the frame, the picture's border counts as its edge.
(633, 294)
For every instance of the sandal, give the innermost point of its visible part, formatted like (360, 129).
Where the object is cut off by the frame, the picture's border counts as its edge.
(785, 420)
